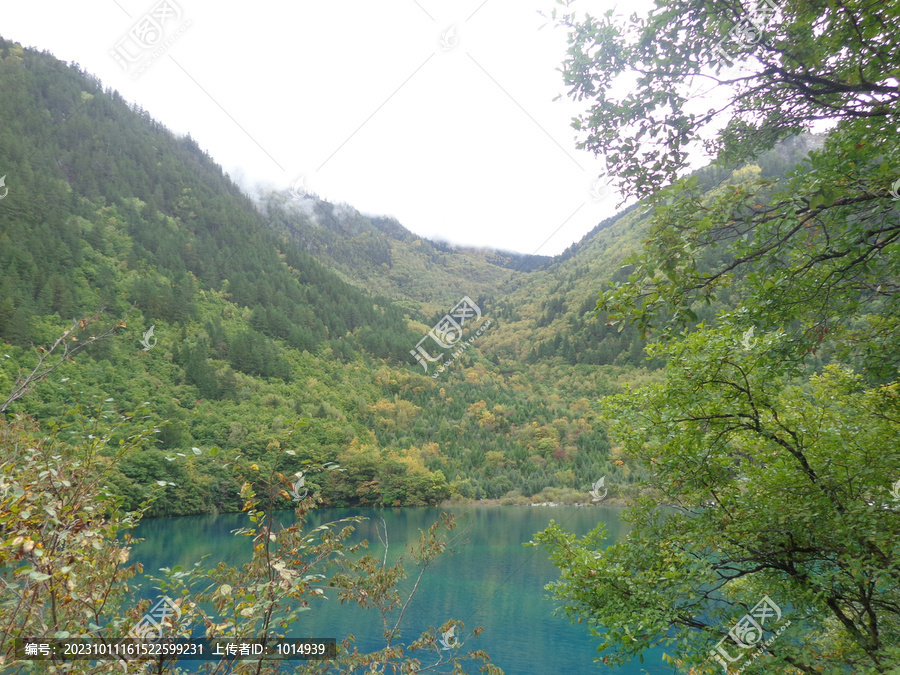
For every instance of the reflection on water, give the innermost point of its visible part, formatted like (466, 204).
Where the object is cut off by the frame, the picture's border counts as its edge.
(491, 580)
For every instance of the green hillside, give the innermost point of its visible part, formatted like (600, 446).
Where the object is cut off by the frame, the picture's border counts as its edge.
(258, 347)
(255, 335)
(381, 256)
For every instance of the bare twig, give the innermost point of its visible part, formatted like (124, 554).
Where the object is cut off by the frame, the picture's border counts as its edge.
(384, 539)
(49, 359)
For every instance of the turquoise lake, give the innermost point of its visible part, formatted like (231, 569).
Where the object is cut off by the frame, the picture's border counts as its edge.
(492, 581)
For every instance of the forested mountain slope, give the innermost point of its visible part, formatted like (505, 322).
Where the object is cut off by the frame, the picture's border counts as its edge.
(258, 348)
(89, 175)
(251, 335)
(381, 256)
(551, 312)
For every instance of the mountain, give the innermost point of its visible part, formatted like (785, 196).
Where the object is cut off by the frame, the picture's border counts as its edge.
(380, 255)
(552, 305)
(283, 328)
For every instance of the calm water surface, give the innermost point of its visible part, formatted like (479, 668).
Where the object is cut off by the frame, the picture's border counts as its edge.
(492, 581)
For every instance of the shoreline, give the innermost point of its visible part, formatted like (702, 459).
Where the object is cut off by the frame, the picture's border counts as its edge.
(611, 501)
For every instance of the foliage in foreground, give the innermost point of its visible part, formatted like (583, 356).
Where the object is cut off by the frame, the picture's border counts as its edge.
(777, 490)
(776, 433)
(65, 541)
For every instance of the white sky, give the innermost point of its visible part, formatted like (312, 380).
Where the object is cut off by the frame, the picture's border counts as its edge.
(360, 102)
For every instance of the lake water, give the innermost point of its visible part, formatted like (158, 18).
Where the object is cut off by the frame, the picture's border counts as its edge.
(492, 581)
